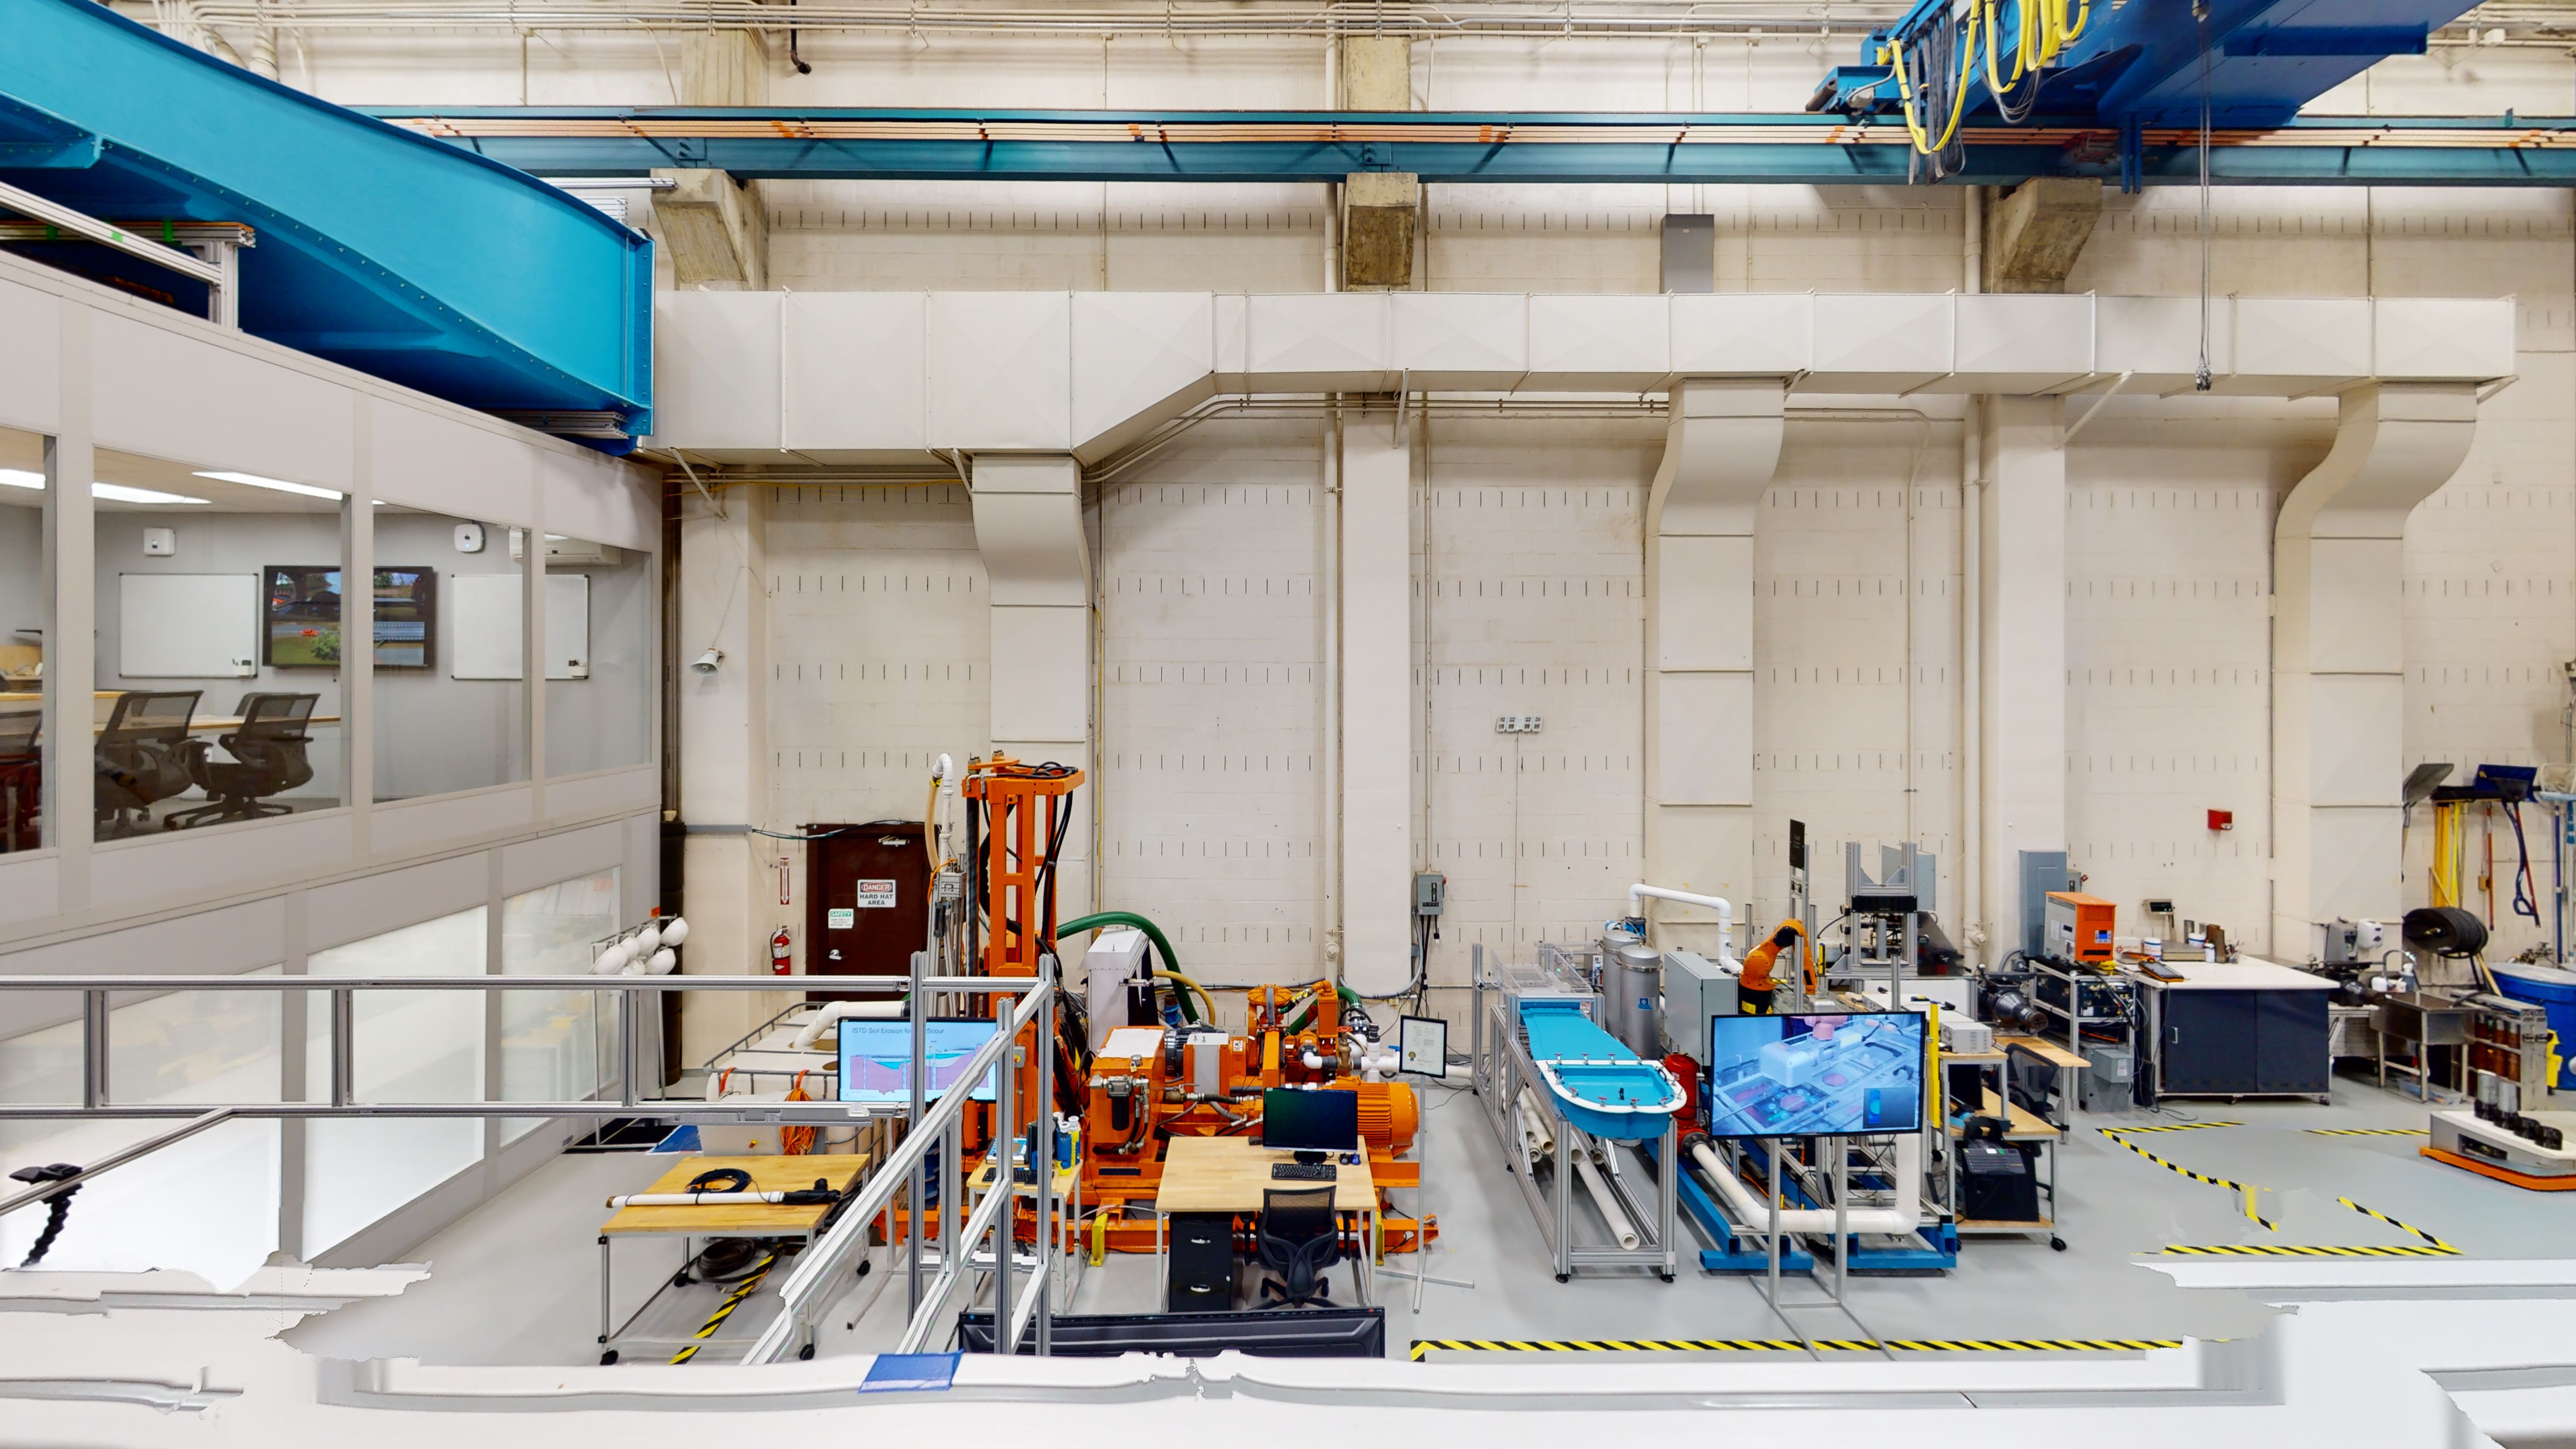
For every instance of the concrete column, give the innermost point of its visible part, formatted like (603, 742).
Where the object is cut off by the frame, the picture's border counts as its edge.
(715, 228)
(1719, 454)
(1376, 608)
(1028, 524)
(2338, 655)
(2021, 646)
(724, 759)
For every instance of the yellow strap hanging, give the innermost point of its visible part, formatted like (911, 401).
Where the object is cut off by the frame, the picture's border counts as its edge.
(1895, 57)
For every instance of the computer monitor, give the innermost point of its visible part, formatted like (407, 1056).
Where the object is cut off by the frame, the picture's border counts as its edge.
(876, 1059)
(1815, 1075)
(1310, 1123)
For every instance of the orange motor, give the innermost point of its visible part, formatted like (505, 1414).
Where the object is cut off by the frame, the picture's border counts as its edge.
(1390, 1113)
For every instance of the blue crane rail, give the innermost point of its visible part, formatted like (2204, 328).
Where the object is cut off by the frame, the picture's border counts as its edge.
(413, 261)
(1804, 148)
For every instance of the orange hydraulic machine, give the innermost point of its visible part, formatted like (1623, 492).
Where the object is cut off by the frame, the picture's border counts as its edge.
(1026, 810)
(1150, 1084)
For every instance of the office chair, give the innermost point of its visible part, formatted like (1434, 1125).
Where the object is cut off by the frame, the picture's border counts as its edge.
(267, 759)
(1301, 1238)
(22, 779)
(142, 757)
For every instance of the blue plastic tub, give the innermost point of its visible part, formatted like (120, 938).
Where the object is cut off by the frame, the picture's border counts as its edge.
(2553, 991)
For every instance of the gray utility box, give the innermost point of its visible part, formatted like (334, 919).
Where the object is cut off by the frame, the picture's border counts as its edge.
(1694, 991)
(2108, 1078)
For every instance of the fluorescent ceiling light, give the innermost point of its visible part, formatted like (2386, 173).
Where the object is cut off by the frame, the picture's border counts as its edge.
(20, 478)
(119, 493)
(253, 480)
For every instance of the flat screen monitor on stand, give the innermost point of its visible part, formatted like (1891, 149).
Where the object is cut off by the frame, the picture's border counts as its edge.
(1311, 1124)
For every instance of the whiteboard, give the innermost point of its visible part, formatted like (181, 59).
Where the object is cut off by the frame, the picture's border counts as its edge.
(187, 626)
(484, 627)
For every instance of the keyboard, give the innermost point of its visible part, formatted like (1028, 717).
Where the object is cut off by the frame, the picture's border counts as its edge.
(1300, 1172)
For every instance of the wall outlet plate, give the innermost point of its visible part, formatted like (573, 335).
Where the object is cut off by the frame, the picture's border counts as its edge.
(160, 543)
(1516, 724)
(469, 538)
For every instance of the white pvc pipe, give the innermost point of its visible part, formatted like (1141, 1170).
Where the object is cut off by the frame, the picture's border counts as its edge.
(812, 1034)
(1750, 1211)
(1725, 909)
(1534, 1123)
(1621, 1230)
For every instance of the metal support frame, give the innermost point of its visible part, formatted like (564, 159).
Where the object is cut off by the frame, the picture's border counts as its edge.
(1503, 1068)
(221, 273)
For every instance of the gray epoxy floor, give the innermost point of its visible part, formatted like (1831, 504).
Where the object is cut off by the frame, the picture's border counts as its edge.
(517, 1281)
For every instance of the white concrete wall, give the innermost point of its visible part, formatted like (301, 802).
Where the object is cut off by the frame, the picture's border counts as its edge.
(2168, 505)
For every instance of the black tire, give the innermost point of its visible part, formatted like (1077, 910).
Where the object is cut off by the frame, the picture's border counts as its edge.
(608, 1358)
(864, 1266)
(1565, 1277)
(2446, 930)
(682, 1279)
(2057, 1245)
(806, 1352)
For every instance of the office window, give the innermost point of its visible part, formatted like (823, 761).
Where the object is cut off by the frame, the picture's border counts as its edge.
(218, 667)
(599, 656)
(26, 605)
(410, 1046)
(552, 1043)
(177, 1047)
(451, 694)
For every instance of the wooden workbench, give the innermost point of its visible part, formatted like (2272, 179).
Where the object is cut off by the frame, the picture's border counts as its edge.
(763, 1220)
(1230, 1174)
(839, 1170)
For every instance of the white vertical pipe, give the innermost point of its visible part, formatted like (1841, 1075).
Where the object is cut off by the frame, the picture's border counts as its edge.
(1972, 815)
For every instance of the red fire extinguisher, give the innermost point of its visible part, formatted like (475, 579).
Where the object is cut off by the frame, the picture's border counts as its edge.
(778, 953)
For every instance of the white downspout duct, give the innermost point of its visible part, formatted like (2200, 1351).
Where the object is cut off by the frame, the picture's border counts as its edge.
(1724, 908)
(810, 1037)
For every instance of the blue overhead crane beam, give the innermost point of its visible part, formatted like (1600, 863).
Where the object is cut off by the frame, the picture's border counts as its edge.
(1588, 148)
(2138, 62)
(377, 247)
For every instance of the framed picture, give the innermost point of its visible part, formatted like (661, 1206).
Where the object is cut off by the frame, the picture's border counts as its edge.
(1422, 1045)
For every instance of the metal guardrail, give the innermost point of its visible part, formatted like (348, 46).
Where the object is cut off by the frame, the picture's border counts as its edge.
(804, 1294)
(823, 1264)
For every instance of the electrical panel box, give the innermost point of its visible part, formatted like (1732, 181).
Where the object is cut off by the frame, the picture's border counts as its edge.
(2078, 927)
(1694, 991)
(2042, 871)
(1430, 893)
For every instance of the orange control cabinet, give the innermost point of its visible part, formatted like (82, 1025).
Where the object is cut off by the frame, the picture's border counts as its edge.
(2078, 926)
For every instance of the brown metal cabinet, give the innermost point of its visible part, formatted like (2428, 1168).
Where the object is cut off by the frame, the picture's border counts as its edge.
(867, 902)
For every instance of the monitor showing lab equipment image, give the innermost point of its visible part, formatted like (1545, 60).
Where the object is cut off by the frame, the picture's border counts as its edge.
(1815, 1075)
(876, 1059)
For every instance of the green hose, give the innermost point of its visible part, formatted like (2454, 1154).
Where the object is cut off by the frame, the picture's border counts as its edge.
(1153, 933)
(1345, 993)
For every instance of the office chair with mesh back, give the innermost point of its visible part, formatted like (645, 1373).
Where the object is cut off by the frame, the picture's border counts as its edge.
(268, 758)
(142, 757)
(22, 776)
(1300, 1237)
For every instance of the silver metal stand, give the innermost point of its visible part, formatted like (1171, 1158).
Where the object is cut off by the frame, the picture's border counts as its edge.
(1503, 1070)
(1835, 1293)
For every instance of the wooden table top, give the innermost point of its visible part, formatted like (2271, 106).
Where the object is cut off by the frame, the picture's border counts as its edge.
(1229, 1175)
(768, 1174)
(2047, 1051)
(2019, 1125)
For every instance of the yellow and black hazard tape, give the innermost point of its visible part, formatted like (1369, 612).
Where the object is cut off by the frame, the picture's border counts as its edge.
(2303, 1250)
(2367, 1132)
(2172, 1127)
(1422, 1346)
(2438, 1246)
(733, 1300)
(2236, 1187)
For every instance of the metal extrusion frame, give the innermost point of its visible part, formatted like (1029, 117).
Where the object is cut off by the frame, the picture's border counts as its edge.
(1503, 1068)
